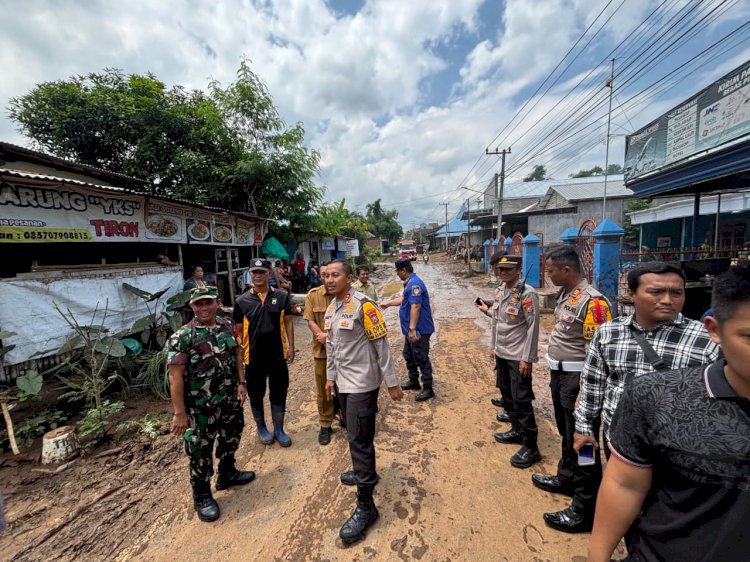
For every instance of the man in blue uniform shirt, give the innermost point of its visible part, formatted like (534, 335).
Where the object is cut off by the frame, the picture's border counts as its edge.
(417, 326)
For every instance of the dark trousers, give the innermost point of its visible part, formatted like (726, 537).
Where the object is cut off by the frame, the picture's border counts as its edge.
(359, 411)
(586, 481)
(517, 395)
(417, 357)
(564, 387)
(276, 373)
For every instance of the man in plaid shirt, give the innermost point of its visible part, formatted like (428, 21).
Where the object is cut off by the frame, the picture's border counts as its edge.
(615, 357)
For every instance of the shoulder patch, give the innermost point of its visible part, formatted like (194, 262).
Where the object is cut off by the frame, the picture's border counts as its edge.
(597, 313)
(528, 305)
(373, 321)
(416, 290)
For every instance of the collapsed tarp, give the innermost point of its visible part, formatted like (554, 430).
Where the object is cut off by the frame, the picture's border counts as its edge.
(28, 307)
(272, 248)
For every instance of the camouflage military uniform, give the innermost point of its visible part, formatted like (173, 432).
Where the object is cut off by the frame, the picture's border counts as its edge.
(211, 402)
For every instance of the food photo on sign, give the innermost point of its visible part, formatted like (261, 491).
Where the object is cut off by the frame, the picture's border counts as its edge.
(163, 227)
(223, 233)
(198, 230)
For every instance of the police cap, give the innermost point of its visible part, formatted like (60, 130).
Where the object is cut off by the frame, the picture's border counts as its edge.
(259, 264)
(402, 263)
(509, 262)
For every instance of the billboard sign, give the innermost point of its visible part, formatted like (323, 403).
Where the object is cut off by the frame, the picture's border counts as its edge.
(717, 115)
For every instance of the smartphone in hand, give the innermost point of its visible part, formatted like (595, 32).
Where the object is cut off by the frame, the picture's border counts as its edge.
(478, 301)
(586, 455)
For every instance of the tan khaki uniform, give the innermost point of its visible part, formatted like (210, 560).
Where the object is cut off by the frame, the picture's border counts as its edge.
(358, 355)
(316, 303)
(578, 314)
(367, 290)
(515, 323)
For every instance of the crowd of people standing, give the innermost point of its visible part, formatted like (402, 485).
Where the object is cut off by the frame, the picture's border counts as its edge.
(664, 397)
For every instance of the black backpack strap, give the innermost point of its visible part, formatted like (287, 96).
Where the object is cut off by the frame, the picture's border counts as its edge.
(648, 351)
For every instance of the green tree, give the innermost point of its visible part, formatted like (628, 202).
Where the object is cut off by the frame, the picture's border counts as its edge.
(383, 222)
(226, 147)
(614, 169)
(595, 171)
(632, 232)
(538, 173)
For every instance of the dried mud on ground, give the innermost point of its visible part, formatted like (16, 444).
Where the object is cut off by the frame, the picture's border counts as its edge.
(447, 491)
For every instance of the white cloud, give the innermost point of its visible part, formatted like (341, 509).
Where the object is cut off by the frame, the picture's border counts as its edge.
(364, 85)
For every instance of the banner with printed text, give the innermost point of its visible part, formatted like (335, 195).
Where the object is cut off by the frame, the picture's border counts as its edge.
(718, 115)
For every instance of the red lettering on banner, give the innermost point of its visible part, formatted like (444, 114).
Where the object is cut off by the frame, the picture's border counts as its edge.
(111, 229)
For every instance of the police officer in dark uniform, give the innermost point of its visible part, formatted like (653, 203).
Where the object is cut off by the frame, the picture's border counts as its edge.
(514, 342)
(417, 326)
(207, 386)
(580, 310)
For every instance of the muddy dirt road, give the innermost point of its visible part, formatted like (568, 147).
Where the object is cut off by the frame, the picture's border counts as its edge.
(447, 490)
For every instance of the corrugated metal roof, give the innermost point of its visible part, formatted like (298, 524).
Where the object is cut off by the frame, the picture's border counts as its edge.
(593, 190)
(540, 188)
(67, 163)
(56, 179)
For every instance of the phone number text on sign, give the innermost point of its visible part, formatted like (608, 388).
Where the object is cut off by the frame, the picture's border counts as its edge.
(21, 234)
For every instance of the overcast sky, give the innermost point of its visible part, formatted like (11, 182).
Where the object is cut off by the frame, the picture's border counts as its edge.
(401, 97)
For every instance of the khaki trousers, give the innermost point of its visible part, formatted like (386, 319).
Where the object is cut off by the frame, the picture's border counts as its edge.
(325, 406)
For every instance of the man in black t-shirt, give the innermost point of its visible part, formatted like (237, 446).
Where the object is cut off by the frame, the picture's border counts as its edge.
(680, 443)
(263, 320)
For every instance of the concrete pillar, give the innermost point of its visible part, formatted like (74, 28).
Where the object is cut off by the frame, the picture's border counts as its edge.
(607, 243)
(532, 254)
(569, 235)
(486, 255)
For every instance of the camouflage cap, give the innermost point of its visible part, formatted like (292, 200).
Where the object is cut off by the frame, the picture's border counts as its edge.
(207, 292)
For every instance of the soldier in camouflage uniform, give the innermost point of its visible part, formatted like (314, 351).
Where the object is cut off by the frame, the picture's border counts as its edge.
(207, 384)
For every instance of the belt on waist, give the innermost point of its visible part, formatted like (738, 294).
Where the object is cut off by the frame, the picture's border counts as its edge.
(567, 366)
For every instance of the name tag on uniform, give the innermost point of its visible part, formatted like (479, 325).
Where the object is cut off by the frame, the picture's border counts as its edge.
(347, 316)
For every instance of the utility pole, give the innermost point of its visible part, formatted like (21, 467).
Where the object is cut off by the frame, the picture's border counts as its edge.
(447, 232)
(499, 186)
(468, 228)
(608, 84)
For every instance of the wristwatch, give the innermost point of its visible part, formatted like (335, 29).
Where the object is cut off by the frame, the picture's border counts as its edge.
(242, 383)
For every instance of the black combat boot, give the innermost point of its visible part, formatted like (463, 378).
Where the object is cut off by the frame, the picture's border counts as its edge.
(349, 478)
(229, 475)
(277, 415)
(499, 402)
(426, 393)
(365, 514)
(503, 417)
(265, 436)
(204, 503)
(411, 385)
(511, 437)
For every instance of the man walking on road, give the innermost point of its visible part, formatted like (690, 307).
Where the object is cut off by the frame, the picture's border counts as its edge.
(657, 337)
(580, 311)
(680, 445)
(263, 317)
(417, 326)
(207, 387)
(514, 343)
(316, 303)
(358, 361)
